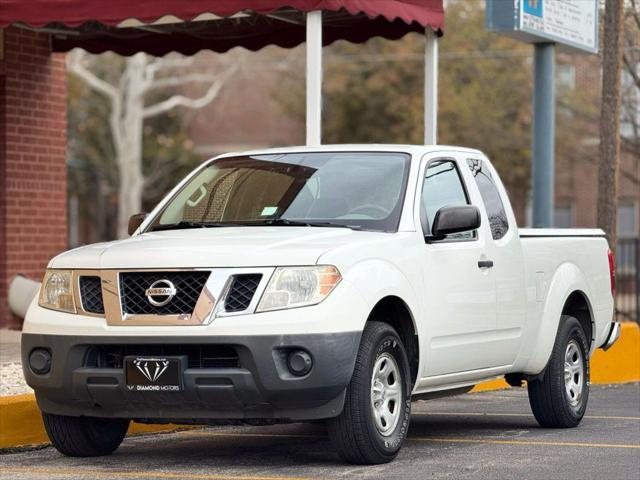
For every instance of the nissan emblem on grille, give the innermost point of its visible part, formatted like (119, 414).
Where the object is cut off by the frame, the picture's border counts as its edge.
(160, 293)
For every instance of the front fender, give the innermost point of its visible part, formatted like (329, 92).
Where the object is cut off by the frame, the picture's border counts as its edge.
(377, 279)
(567, 279)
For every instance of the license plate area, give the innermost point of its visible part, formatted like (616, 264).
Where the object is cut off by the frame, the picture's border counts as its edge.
(154, 373)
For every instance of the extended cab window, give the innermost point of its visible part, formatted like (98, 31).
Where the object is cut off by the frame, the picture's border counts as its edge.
(362, 190)
(442, 187)
(491, 198)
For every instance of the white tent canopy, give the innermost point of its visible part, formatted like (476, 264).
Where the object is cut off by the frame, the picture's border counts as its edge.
(314, 82)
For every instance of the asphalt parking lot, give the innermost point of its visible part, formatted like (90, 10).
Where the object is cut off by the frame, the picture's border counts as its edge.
(489, 435)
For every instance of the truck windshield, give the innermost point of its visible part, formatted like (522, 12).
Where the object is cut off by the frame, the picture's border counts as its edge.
(359, 190)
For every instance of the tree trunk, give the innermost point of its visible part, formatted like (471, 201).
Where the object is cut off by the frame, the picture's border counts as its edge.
(129, 193)
(610, 119)
(129, 146)
(126, 120)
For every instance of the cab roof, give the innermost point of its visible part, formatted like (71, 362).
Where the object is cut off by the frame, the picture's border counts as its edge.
(355, 147)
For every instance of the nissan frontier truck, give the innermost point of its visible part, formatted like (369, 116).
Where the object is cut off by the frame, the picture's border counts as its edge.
(334, 283)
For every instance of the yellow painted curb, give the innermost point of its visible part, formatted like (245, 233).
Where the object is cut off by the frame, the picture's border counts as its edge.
(21, 423)
(497, 384)
(619, 364)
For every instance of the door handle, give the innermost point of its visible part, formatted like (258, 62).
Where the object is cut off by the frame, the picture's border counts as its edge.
(485, 263)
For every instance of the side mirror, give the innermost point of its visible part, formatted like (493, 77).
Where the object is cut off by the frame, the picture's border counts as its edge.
(458, 219)
(135, 221)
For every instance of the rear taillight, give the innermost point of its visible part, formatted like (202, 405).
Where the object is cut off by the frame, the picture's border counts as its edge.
(612, 272)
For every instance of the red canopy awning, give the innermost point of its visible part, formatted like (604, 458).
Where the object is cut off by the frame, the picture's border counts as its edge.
(101, 25)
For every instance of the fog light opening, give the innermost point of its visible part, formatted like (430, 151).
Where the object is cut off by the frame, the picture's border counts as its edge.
(299, 362)
(40, 361)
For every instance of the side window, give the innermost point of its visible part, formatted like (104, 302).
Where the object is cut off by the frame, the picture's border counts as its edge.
(442, 187)
(491, 198)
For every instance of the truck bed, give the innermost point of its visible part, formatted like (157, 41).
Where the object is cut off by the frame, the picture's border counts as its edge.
(565, 259)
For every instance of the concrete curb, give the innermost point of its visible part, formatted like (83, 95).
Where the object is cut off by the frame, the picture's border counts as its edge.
(21, 422)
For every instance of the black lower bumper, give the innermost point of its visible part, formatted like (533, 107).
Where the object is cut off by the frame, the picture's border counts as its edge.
(255, 384)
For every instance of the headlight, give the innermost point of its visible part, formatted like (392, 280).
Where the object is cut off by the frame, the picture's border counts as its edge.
(291, 287)
(57, 291)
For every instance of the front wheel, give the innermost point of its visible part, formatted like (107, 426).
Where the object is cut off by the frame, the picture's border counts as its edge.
(559, 398)
(375, 419)
(84, 436)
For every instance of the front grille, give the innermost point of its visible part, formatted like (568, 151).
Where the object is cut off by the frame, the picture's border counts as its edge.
(188, 284)
(242, 290)
(199, 356)
(91, 294)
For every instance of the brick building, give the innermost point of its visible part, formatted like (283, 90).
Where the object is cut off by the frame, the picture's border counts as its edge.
(33, 172)
(577, 168)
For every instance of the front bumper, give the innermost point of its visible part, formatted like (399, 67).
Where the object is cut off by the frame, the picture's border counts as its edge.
(257, 386)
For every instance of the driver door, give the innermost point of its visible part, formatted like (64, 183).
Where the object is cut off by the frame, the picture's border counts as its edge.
(460, 293)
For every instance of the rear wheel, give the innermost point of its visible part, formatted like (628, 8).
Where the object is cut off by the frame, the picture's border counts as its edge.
(84, 436)
(375, 419)
(559, 398)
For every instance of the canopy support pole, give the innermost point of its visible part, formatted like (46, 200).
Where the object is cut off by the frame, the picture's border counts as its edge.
(314, 77)
(430, 87)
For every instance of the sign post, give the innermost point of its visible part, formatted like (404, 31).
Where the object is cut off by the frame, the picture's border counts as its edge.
(543, 148)
(545, 23)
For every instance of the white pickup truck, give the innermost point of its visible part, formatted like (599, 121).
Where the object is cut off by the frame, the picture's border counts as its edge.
(336, 283)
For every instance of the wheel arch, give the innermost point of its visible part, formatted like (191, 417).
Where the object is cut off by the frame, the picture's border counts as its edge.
(567, 294)
(394, 311)
(578, 305)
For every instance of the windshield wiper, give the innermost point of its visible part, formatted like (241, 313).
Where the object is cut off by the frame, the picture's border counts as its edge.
(184, 224)
(276, 222)
(299, 223)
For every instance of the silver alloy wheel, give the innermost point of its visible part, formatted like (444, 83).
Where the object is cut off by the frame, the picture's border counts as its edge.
(573, 373)
(386, 394)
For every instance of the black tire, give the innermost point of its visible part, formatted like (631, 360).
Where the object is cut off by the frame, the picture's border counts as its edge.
(354, 432)
(84, 436)
(550, 402)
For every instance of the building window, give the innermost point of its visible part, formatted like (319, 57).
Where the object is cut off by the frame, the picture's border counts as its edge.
(630, 116)
(628, 220)
(563, 216)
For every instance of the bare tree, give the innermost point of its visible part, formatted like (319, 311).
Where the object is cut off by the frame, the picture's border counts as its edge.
(610, 119)
(631, 89)
(141, 78)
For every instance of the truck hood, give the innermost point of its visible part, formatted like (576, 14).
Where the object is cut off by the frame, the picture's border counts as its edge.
(214, 247)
